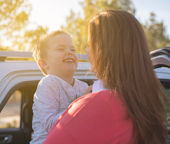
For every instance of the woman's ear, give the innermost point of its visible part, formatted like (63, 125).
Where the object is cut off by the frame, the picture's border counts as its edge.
(42, 63)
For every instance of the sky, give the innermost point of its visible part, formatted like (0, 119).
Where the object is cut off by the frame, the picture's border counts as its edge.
(53, 13)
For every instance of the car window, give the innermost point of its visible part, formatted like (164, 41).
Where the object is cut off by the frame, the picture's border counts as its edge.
(10, 114)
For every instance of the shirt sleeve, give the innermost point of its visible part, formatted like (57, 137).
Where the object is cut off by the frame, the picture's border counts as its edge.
(97, 86)
(82, 86)
(47, 101)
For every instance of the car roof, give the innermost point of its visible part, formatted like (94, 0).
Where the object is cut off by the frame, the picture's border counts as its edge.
(12, 67)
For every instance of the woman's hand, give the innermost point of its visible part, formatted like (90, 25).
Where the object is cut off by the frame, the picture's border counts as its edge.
(88, 90)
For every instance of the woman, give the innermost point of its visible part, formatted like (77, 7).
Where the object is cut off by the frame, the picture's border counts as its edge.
(132, 109)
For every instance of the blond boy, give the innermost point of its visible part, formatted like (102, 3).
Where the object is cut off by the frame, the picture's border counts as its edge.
(56, 56)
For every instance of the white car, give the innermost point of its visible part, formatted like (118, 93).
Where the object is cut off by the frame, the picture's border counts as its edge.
(18, 82)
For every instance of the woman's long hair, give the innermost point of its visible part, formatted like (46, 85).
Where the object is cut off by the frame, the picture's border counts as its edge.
(120, 57)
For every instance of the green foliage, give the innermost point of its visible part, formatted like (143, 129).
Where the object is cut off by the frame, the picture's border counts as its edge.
(155, 33)
(13, 124)
(13, 15)
(31, 36)
(4, 48)
(26, 42)
(14, 18)
(77, 26)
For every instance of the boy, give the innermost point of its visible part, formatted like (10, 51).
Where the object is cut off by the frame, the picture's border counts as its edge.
(56, 56)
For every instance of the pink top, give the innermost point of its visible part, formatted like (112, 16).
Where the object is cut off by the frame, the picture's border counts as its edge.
(97, 118)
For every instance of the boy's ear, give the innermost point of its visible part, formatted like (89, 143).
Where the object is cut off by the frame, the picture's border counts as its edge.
(42, 63)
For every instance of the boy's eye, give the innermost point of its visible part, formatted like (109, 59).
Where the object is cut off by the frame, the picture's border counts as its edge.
(73, 50)
(60, 48)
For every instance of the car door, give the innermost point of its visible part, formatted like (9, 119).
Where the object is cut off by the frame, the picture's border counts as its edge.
(161, 62)
(166, 84)
(16, 115)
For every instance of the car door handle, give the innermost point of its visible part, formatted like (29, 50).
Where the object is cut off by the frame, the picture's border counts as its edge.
(5, 138)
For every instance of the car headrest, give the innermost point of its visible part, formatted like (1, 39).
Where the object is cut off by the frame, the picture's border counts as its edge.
(161, 61)
(161, 57)
(161, 51)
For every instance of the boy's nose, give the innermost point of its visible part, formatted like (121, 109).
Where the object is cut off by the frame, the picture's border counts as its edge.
(69, 52)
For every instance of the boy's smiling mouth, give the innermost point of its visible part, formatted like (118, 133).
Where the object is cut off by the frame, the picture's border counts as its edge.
(69, 60)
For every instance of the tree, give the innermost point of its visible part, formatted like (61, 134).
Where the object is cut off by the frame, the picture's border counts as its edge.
(77, 26)
(155, 33)
(28, 39)
(13, 15)
(14, 18)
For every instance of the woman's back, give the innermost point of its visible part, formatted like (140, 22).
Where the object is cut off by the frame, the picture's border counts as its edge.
(119, 56)
(98, 118)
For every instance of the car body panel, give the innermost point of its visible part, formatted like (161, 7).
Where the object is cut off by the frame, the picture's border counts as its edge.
(13, 73)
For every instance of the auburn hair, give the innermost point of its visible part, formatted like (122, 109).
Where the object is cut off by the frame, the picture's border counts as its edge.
(119, 56)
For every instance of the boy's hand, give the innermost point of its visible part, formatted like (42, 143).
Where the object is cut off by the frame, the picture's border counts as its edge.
(88, 90)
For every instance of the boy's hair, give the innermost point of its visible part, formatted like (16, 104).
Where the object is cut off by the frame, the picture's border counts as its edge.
(41, 47)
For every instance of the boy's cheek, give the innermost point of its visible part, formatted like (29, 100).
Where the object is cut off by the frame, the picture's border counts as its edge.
(76, 58)
(77, 63)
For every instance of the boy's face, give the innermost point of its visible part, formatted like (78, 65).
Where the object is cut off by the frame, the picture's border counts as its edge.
(61, 56)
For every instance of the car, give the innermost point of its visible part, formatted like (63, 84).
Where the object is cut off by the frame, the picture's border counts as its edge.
(19, 77)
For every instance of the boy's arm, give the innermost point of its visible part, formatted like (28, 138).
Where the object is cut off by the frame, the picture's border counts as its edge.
(88, 90)
(46, 100)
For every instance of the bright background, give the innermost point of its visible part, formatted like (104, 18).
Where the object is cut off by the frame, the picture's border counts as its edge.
(53, 13)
